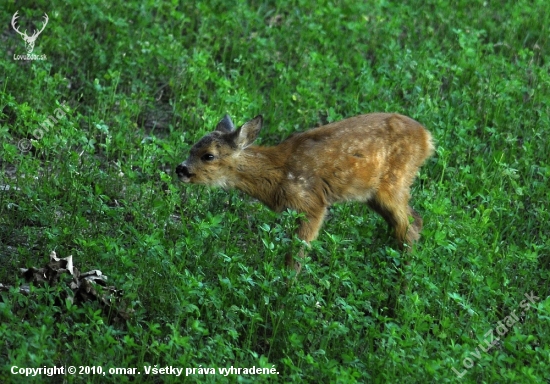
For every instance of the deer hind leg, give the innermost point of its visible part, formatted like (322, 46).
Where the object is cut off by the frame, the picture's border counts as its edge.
(394, 208)
(417, 223)
(396, 211)
(307, 231)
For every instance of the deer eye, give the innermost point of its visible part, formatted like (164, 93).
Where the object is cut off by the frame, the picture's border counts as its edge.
(207, 157)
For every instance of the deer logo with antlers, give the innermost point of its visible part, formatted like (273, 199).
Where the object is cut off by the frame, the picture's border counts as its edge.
(29, 40)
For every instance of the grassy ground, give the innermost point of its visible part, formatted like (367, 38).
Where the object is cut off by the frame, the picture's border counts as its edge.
(202, 269)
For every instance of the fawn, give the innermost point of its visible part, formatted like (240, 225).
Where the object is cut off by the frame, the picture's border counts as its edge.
(372, 158)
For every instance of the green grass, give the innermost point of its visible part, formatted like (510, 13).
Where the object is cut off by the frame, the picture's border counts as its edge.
(203, 269)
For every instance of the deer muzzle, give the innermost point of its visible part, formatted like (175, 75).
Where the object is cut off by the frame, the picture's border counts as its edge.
(183, 173)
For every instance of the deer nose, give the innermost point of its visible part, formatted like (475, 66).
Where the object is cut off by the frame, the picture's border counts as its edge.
(182, 171)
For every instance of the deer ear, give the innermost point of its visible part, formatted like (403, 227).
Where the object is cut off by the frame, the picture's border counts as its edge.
(225, 125)
(246, 134)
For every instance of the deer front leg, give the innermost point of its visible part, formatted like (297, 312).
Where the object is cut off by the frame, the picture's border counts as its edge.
(307, 231)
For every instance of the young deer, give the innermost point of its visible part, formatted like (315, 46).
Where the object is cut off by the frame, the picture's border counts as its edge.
(372, 158)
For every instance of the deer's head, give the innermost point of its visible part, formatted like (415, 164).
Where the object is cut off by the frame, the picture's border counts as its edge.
(214, 159)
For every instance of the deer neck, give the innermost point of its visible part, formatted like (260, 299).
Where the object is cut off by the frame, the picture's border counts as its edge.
(260, 171)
